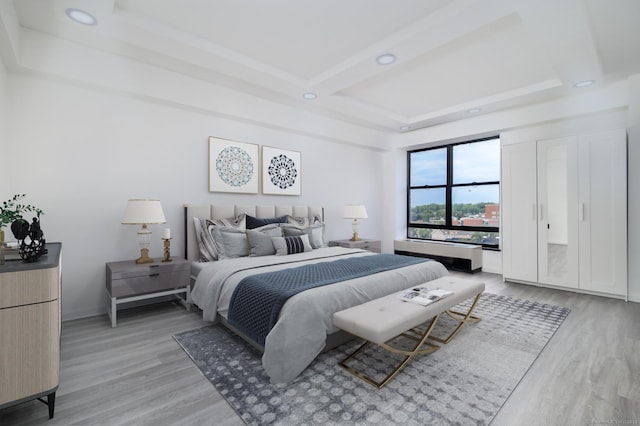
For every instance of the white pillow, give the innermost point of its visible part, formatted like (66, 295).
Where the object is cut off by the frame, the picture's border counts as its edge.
(260, 240)
(232, 242)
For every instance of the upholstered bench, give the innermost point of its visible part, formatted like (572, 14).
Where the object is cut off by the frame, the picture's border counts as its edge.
(382, 320)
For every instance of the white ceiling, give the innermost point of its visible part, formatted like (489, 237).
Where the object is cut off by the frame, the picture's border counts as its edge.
(452, 55)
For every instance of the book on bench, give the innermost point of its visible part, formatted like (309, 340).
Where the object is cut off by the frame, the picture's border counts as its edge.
(423, 295)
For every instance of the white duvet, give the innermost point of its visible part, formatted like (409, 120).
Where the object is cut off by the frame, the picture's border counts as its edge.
(305, 319)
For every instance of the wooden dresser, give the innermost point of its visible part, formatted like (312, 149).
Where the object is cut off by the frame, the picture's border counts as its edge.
(30, 329)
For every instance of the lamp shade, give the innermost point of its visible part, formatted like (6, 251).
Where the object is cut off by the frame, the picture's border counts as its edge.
(355, 211)
(143, 212)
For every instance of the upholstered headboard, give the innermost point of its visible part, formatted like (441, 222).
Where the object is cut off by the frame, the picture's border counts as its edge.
(215, 211)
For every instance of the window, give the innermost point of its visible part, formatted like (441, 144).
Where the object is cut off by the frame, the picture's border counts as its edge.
(453, 193)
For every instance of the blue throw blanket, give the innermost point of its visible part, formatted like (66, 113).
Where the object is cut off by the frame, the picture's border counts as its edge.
(256, 302)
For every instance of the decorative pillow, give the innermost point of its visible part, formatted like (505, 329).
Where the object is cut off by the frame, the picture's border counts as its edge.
(291, 245)
(260, 239)
(303, 222)
(232, 242)
(205, 234)
(315, 233)
(254, 222)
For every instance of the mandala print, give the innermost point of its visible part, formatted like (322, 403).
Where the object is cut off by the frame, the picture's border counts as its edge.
(282, 171)
(234, 166)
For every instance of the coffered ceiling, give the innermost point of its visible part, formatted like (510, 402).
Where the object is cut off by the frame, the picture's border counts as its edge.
(454, 58)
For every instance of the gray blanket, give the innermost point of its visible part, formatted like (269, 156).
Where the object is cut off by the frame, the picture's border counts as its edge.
(255, 305)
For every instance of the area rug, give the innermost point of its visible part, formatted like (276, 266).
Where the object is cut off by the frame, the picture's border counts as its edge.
(465, 382)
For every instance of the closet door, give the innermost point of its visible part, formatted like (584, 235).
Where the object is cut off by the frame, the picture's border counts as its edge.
(558, 212)
(519, 212)
(603, 212)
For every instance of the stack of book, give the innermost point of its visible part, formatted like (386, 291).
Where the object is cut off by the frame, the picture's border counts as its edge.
(11, 250)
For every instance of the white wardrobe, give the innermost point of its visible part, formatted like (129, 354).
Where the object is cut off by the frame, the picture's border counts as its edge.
(564, 212)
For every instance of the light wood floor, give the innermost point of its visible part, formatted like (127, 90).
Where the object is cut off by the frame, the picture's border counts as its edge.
(136, 374)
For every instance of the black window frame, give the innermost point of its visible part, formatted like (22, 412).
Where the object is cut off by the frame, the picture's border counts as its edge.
(448, 196)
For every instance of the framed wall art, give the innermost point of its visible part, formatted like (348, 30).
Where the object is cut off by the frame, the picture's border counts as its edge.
(233, 166)
(281, 173)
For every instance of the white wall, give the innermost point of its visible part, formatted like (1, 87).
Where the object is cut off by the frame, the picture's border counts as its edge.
(3, 116)
(83, 152)
(633, 187)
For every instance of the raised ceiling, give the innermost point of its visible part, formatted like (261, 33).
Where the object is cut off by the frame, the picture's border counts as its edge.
(453, 56)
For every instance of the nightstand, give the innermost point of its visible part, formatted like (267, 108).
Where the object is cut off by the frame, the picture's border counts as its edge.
(128, 281)
(364, 243)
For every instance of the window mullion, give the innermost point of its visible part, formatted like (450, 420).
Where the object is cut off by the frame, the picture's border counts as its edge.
(449, 199)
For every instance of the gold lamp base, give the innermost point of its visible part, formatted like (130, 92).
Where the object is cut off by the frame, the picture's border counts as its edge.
(144, 256)
(355, 237)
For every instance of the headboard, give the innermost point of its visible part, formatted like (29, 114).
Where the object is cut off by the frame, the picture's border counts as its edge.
(215, 211)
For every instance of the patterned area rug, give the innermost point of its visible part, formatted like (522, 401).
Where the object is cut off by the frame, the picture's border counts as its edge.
(465, 382)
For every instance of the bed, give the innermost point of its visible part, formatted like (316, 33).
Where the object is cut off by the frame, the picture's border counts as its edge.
(302, 327)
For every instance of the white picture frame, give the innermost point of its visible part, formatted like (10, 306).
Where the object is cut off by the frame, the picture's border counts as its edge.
(281, 171)
(233, 166)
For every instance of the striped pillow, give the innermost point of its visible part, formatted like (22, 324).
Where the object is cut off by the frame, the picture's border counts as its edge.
(291, 245)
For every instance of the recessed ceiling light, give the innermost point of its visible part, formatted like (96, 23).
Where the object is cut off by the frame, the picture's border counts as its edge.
(386, 59)
(405, 128)
(583, 83)
(309, 96)
(474, 110)
(81, 17)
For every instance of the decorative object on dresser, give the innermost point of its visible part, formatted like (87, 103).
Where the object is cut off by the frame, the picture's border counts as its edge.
(143, 212)
(362, 243)
(281, 173)
(233, 166)
(355, 212)
(30, 329)
(129, 282)
(30, 236)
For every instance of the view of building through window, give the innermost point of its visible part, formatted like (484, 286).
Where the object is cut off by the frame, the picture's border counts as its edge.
(454, 193)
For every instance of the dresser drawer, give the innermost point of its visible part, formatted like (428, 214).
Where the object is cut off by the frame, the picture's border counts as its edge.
(374, 246)
(147, 284)
(364, 244)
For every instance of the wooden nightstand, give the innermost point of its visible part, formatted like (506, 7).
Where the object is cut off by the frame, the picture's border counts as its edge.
(365, 244)
(128, 281)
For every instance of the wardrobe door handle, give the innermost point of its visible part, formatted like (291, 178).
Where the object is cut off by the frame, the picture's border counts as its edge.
(581, 212)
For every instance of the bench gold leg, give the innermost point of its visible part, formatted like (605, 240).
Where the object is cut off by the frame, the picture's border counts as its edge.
(462, 318)
(417, 350)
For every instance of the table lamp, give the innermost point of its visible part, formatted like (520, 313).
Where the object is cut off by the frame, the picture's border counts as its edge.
(355, 212)
(143, 212)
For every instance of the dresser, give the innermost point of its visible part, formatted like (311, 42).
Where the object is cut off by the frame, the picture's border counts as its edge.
(30, 329)
(128, 282)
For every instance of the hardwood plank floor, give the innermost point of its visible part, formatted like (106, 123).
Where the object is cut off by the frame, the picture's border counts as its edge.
(136, 374)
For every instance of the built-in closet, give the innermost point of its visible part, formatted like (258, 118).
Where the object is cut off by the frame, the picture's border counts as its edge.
(564, 212)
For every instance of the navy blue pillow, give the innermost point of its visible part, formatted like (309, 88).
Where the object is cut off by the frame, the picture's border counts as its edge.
(254, 222)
